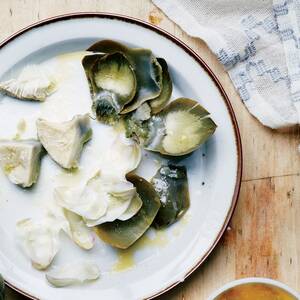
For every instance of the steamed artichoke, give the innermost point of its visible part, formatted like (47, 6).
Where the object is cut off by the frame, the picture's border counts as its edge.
(179, 129)
(112, 83)
(146, 67)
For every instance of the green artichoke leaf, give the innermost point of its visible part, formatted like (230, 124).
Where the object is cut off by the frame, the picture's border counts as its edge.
(180, 128)
(112, 84)
(171, 184)
(158, 103)
(147, 69)
(122, 234)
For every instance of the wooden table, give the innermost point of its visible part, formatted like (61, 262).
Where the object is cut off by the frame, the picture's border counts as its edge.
(264, 235)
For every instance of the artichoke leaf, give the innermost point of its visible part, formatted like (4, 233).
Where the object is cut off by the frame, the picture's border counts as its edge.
(87, 63)
(158, 103)
(171, 184)
(180, 128)
(40, 240)
(146, 67)
(122, 234)
(33, 83)
(73, 273)
(73, 225)
(142, 113)
(134, 207)
(78, 231)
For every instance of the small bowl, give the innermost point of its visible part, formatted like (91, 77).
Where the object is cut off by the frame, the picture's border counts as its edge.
(243, 281)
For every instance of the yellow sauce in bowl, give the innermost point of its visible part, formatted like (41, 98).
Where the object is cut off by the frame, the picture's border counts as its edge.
(255, 291)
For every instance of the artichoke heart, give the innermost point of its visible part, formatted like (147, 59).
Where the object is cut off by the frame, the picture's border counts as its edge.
(73, 273)
(122, 234)
(20, 161)
(136, 125)
(171, 184)
(112, 83)
(158, 103)
(180, 128)
(64, 141)
(33, 83)
(146, 67)
(136, 129)
(40, 240)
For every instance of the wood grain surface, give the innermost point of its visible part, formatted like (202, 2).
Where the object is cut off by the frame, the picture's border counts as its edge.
(263, 238)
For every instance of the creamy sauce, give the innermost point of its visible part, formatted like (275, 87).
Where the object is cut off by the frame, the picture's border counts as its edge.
(125, 260)
(255, 291)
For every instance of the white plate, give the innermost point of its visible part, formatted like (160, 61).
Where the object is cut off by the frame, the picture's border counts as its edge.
(165, 258)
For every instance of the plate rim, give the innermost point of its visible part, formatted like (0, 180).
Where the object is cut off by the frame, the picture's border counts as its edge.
(208, 70)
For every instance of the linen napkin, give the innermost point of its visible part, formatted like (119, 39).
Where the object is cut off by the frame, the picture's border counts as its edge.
(258, 43)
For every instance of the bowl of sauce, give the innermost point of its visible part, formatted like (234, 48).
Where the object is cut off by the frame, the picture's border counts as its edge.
(255, 289)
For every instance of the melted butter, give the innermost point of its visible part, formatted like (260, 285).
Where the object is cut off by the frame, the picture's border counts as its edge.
(257, 291)
(153, 238)
(8, 168)
(125, 260)
(21, 128)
